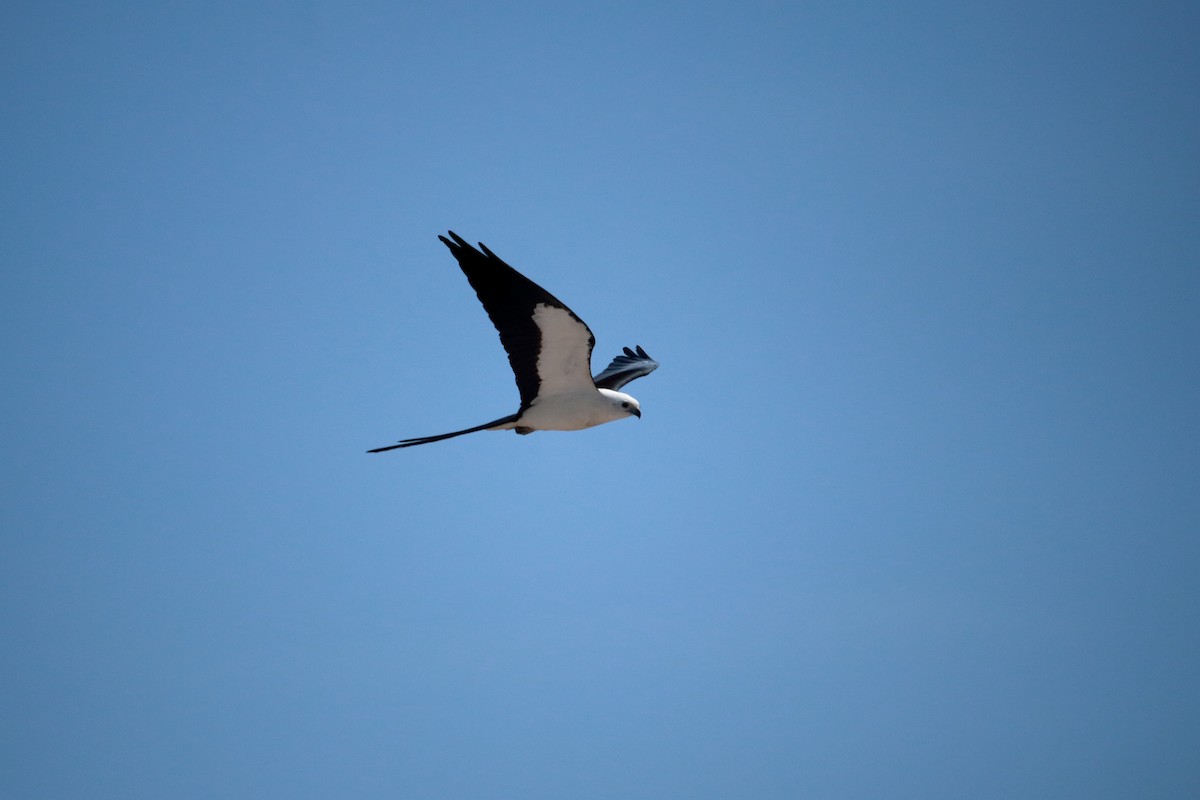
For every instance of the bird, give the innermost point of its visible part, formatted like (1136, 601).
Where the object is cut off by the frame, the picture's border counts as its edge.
(550, 350)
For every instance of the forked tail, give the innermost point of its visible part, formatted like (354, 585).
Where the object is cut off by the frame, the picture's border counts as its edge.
(440, 436)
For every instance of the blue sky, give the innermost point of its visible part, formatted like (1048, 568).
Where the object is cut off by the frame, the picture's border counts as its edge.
(913, 508)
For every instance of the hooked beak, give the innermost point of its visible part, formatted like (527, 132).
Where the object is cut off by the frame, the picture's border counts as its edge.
(637, 412)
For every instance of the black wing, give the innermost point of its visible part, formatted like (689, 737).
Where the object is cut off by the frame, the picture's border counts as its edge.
(626, 368)
(510, 299)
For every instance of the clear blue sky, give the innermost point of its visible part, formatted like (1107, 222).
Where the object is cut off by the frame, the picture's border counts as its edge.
(914, 507)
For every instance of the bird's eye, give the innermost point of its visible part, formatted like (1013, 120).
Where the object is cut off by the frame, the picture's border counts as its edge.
(624, 405)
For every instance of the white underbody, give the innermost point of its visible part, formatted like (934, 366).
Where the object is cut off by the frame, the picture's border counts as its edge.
(573, 411)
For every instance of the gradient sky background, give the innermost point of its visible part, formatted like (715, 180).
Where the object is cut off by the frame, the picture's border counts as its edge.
(914, 508)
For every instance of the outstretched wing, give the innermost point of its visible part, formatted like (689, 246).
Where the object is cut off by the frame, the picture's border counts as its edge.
(626, 368)
(549, 347)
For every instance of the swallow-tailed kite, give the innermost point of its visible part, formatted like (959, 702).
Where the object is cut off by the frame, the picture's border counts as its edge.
(550, 350)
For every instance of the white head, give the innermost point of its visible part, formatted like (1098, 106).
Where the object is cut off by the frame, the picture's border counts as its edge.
(622, 405)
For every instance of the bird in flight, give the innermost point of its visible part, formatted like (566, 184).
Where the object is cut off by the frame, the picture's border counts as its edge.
(550, 350)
